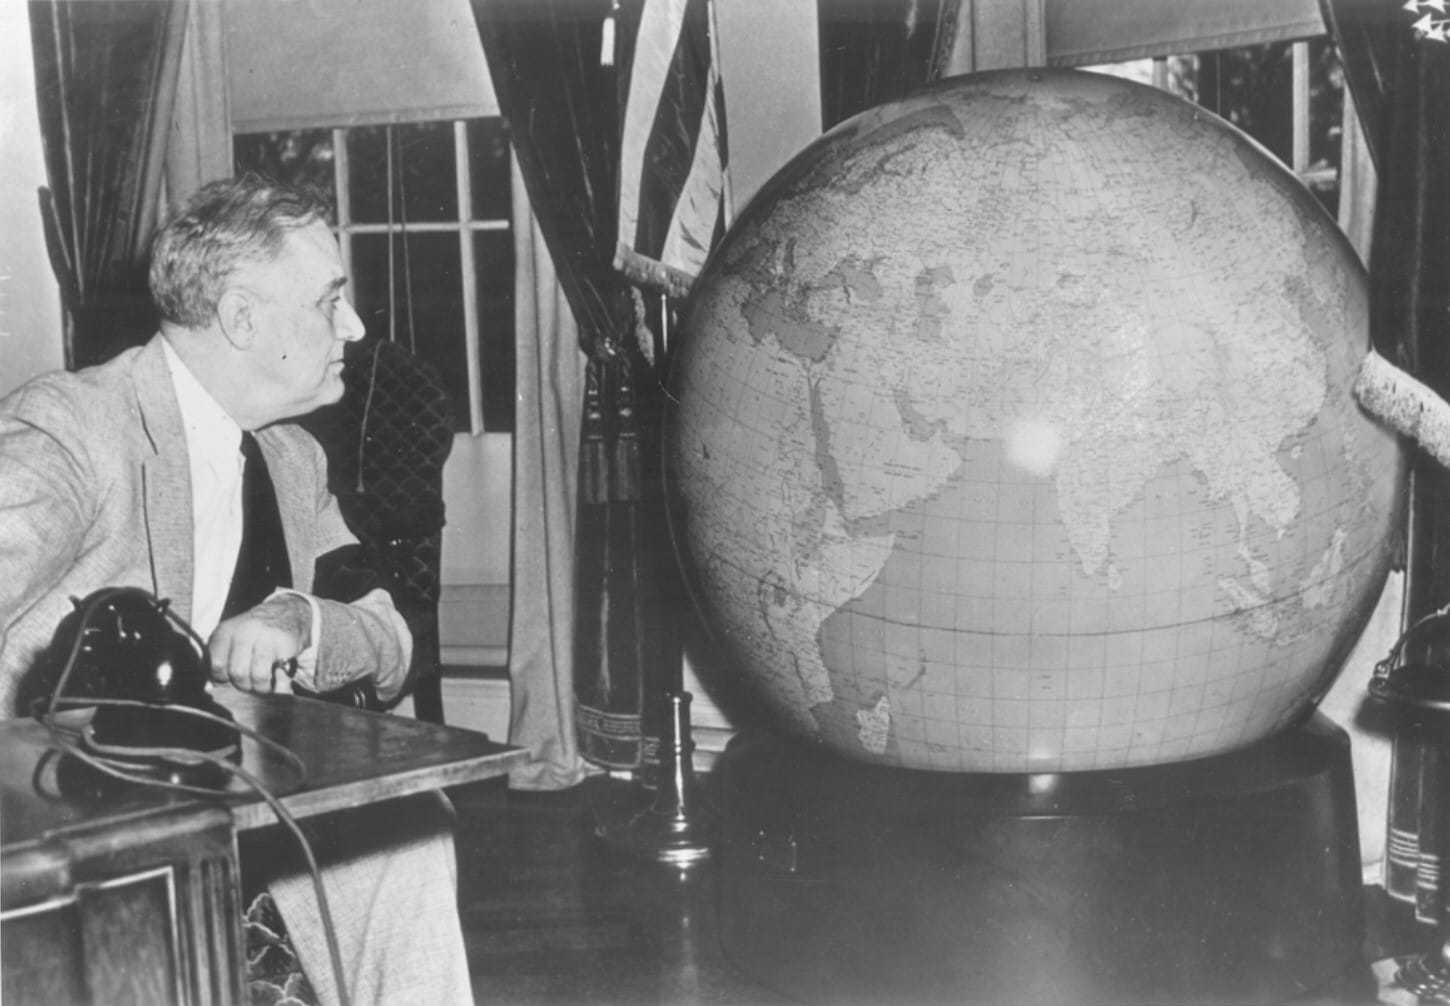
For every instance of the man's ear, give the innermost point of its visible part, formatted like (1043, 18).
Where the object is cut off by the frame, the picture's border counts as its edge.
(237, 314)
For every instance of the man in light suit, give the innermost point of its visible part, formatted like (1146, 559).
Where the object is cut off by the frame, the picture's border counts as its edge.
(130, 474)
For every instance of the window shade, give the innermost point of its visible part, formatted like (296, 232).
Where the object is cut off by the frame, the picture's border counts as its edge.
(1086, 32)
(300, 63)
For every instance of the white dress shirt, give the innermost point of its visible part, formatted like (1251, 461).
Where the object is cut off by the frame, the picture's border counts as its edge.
(213, 448)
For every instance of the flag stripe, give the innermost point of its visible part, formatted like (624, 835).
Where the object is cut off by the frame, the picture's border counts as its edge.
(654, 48)
(672, 176)
(692, 226)
(676, 126)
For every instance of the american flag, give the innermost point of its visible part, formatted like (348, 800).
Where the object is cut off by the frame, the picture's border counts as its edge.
(673, 183)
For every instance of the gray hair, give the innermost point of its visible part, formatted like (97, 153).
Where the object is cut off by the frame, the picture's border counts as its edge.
(225, 224)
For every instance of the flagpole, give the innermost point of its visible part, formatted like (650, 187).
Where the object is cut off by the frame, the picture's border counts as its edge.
(677, 828)
(727, 208)
(662, 243)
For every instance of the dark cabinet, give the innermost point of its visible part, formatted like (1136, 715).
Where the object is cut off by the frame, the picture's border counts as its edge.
(131, 906)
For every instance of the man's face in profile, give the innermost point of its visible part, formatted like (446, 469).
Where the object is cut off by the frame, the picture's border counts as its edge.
(304, 320)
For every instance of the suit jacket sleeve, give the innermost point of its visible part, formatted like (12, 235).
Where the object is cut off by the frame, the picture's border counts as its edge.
(363, 637)
(42, 486)
(361, 632)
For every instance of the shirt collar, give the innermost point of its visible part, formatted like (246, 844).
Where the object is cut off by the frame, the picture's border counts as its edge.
(211, 433)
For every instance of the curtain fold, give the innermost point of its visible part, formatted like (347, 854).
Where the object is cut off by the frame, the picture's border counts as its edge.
(1399, 76)
(543, 56)
(1368, 41)
(559, 97)
(106, 74)
(549, 385)
(1357, 181)
(996, 34)
(877, 52)
(199, 142)
(1410, 324)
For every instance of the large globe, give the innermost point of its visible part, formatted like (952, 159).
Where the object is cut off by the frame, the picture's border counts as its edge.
(1014, 432)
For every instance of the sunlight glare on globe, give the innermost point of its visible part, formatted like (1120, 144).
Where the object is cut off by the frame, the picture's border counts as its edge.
(1033, 446)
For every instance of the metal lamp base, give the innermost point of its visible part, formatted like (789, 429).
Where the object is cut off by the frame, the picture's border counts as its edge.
(677, 829)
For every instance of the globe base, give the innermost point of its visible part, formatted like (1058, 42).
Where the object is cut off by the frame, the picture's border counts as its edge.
(1234, 878)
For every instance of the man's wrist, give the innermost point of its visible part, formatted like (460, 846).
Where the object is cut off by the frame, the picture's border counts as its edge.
(309, 625)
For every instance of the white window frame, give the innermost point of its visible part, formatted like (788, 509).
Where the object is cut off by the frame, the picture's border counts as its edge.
(464, 227)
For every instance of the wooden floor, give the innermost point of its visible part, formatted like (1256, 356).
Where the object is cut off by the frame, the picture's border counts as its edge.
(554, 915)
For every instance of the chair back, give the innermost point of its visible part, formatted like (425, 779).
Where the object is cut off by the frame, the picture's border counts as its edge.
(386, 443)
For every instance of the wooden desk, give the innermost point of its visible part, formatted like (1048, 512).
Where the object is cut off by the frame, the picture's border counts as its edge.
(133, 896)
(352, 757)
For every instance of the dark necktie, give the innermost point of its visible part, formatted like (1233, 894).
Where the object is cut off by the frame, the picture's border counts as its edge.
(262, 564)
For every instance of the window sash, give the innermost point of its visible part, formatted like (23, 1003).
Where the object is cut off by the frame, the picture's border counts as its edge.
(463, 226)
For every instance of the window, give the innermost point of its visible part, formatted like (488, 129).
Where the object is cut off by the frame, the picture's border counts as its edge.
(423, 222)
(1287, 95)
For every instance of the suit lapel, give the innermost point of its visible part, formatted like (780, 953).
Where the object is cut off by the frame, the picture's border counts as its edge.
(167, 478)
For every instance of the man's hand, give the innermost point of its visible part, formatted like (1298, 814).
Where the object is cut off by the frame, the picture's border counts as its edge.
(247, 650)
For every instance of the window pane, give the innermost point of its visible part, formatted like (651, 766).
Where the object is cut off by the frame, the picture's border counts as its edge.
(1252, 87)
(494, 257)
(299, 157)
(427, 308)
(488, 155)
(424, 183)
(1326, 119)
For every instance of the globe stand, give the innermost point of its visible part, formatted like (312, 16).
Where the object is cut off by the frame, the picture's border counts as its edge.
(676, 829)
(1422, 691)
(1233, 878)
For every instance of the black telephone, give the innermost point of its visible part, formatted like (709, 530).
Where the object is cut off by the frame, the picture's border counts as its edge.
(125, 651)
(125, 643)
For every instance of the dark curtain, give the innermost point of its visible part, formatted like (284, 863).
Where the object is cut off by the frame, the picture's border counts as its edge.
(1400, 82)
(105, 75)
(560, 104)
(877, 52)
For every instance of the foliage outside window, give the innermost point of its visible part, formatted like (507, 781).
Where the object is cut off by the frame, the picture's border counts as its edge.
(1287, 95)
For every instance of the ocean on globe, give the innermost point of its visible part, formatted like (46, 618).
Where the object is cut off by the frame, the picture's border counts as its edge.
(1013, 432)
